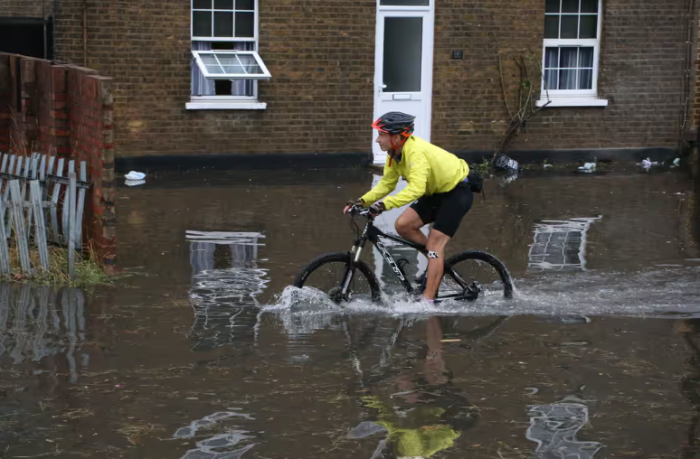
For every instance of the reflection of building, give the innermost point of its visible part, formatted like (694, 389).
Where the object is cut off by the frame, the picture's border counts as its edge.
(33, 326)
(554, 427)
(225, 282)
(560, 244)
(230, 444)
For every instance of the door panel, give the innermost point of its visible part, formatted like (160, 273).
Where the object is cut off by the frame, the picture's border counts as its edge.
(403, 73)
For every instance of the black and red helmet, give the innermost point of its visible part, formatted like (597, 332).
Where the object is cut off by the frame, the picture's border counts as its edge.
(395, 123)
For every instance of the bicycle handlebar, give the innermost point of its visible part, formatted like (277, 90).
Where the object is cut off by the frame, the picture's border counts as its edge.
(361, 211)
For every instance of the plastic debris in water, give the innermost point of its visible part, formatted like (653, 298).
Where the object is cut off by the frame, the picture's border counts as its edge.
(505, 163)
(647, 163)
(133, 175)
(589, 167)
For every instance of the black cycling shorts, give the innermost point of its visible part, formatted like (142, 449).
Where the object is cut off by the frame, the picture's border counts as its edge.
(445, 210)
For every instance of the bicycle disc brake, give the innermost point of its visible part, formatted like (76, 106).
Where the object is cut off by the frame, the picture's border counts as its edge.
(336, 295)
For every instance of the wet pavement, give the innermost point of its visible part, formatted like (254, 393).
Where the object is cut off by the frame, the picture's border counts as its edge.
(200, 355)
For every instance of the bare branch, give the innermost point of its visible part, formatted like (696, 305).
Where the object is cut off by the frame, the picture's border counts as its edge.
(503, 87)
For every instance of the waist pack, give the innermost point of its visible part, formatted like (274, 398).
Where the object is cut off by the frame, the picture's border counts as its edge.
(475, 181)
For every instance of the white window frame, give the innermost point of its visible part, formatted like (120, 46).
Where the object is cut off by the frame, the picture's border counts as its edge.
(265, 75)
(228, 102)
(573, 97)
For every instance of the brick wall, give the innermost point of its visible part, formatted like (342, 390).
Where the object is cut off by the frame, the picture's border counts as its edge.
(25, 8)
(321, 56)
(65, 111)
(696, 75)
(5, 100)
(642, 50)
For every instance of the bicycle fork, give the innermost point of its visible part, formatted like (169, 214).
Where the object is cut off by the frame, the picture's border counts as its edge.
(355, 254)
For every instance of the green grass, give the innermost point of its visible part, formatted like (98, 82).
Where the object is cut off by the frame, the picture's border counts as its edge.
(87, 270)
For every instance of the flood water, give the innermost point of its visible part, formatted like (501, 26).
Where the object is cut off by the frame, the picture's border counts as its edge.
(200, 354)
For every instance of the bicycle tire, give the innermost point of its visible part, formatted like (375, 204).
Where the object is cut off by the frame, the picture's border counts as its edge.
(339, 257)
(494, 262)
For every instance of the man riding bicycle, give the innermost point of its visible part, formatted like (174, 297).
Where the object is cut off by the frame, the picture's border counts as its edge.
(437, 182)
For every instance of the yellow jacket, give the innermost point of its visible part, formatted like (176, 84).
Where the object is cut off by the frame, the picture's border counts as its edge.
(427, 169)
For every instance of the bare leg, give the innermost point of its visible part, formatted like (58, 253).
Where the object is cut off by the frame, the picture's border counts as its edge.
(408, 226)
(436, 243)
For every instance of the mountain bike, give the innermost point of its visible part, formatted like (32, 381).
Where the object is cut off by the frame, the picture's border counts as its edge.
(343, 276)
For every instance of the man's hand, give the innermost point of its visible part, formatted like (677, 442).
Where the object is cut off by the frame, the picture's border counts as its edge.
(377, 208)
(351, 204)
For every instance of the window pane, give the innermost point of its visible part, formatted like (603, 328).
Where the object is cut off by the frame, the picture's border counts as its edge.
(223, 4)
(568, 57)
(245, 5)
(245, 25)
(405, 2)
(551, 26)
(551, 58)
(201, 23)
(550, 79)
(569, 26)
(585, 57)
(230, 64)
(201, 4)
(552, 6)
(589, 6)
(403, 48)
(589, 26)
(569, 6)
(211, 64)
(585, 79)
(567, 79)
(223, 24)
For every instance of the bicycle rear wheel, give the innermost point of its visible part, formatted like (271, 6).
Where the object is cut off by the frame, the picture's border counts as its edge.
(475, 273)
(326, 273)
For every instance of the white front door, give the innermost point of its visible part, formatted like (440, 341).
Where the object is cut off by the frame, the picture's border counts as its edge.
(404, 63)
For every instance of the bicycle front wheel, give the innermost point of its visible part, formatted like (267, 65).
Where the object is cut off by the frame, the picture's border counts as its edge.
(327, 273)
(475, 273)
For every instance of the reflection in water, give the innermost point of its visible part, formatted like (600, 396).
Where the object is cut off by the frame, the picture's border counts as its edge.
(224, 298)
(560, 244)
(553, 427)
(38, 322)
(425, 413)
(229, 444)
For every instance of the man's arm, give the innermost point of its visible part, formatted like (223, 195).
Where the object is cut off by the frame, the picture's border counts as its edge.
(416, 185)
(385, 186)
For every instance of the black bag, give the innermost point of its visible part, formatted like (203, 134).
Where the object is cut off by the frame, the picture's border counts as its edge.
(476, 182)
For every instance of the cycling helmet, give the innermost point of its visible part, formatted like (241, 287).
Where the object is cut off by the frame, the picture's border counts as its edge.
(395, 123)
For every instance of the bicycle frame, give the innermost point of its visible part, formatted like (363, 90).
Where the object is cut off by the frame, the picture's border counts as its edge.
(372, 234)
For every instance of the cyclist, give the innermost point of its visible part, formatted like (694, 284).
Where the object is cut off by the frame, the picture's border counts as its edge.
(437, 182)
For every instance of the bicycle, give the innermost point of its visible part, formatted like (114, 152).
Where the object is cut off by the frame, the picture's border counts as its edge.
(453, 286)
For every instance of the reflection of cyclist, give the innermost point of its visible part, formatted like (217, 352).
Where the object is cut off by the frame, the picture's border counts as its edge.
(436, 181)
(429, 414)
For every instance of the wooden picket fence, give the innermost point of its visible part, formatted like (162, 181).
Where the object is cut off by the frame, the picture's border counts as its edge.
(33, 193)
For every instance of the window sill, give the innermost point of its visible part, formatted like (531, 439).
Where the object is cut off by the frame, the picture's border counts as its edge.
(226, 105)
(574, 102)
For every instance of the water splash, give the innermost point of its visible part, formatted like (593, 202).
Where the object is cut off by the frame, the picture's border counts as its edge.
(657, 292)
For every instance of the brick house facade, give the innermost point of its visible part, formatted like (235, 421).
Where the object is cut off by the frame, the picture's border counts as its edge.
(322, 57)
